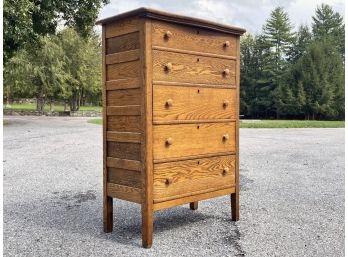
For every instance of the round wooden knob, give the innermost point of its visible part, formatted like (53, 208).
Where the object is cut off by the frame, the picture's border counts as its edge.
(226, 72)
(225, 137)
(168, 66)
(168, 181)
(226, 103)
(168, 34)
(169, 103)
(227, 44)
(225, 171)
(169, 141)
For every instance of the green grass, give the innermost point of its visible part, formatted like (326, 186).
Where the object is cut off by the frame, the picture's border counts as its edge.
(275, 123)
(291, 124)
(97, 121)
(57, 108)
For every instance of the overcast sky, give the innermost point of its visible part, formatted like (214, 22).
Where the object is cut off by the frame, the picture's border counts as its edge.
(249, 14)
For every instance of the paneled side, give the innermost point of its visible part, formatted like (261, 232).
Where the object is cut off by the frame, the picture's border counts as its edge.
(123, 103)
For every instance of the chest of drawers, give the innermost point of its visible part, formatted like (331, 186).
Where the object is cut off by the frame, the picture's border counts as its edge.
(170, 112)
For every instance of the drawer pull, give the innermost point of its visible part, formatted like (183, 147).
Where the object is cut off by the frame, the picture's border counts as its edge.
(225, 171)
(169, 103)
(169, 141)
(168, 181)
(168, 66)
(225, 137)
(226, 103)
(227, 44)
(226, 72)
(168, 35)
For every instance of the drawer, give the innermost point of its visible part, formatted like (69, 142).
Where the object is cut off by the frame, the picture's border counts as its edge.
(183, 178)
(181, 140)
(192, 39)
(193, 103)
(179, 67)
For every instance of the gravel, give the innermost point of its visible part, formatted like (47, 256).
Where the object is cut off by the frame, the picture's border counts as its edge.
(292, 197)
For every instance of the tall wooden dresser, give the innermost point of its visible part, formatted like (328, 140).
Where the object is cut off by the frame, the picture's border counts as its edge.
(170, 112)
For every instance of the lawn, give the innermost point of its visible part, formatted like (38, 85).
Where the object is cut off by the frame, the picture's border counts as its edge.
(59, 108)
(275, 123)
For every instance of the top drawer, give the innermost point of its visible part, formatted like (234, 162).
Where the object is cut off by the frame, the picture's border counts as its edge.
(192, 39)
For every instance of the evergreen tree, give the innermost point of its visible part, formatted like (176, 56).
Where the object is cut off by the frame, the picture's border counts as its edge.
(328, 25)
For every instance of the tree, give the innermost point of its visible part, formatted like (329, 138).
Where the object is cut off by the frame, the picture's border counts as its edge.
(328, 25)
(302, 39)
(26, 20)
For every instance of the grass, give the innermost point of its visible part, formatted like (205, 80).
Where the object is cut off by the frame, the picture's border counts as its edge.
(291, 124)
(58, 108)
(275, 123)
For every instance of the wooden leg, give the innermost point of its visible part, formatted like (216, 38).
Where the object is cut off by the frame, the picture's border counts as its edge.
(147, 225)
(235, 206)
(108, 214)
(194, 205)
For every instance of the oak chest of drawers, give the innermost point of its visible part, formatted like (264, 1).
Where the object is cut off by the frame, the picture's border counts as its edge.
(170, 112)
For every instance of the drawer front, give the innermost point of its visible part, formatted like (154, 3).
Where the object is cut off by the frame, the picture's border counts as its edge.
(178, 179)
(178, 67)
(181, 140)
(193, 103)
(192, 39)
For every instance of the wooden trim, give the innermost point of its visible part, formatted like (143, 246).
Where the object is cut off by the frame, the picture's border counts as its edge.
(123, 164)
(174, 50)
(123, 84)
(192, 157)
(165, 199)
(125, 56)
(193, 198)
(174, 18)
(123, 110)
(167, 122)
(186, 84)
(131, 137)
(132, 194)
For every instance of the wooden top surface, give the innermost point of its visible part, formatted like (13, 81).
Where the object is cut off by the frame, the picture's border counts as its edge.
(174, 18)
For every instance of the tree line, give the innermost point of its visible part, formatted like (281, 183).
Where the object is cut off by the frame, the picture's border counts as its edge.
(51, 51)
(294, 74)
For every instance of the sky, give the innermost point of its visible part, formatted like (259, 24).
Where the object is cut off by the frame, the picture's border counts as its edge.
(248, 14)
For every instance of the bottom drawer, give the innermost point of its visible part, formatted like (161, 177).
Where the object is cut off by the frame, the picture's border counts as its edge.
(174, 180)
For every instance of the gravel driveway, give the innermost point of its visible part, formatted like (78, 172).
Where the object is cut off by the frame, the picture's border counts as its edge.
(292, 197)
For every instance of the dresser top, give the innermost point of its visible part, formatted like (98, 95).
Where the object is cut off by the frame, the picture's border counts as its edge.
(174, 18)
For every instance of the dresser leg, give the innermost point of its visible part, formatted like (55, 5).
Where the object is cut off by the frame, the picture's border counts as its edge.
(194, 205)
(147, 225)
(108, 214)
(235, 206)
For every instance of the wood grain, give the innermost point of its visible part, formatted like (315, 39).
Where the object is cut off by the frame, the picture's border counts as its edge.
(193, 198)
(124, 177)
(122, 43)
(123, 164)
(192, 69)
(173, 179)
(124, 123)
(192, 139)
(123, 110)
(195, 39)
(123, 70)
(123, 84)
(129, 137)
(121, 27)
(131, 194)
(193, 103)
(130, 151)
(124, 97)
(131, 55)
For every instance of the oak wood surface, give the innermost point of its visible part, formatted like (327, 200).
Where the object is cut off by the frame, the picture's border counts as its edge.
(130, 137)
(131, 55)
(123, 164)
(130, 178)
(132, 110)
(122, 43)
(173, 179)
(196, 39)
(122, 27)
(123, 84)
(124, 192)
(192, 69)
(193, 139)
(193, 103)
(124, 123)
(129, 151)
(124, 97)
(123, 70)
